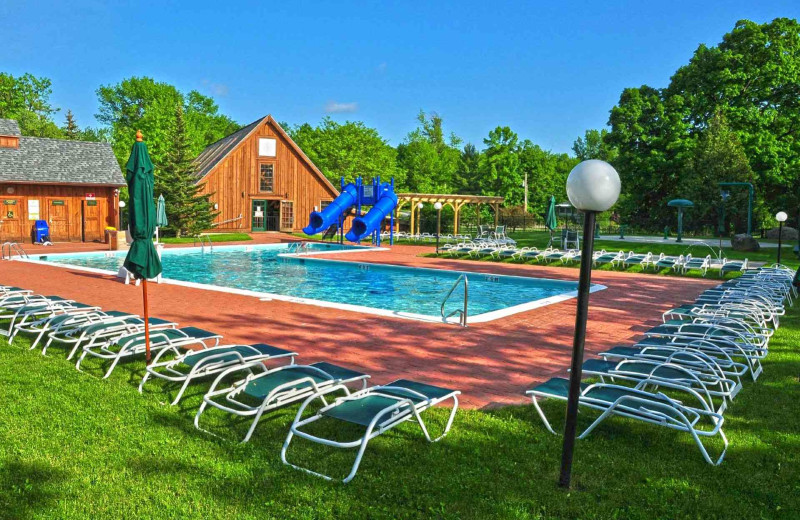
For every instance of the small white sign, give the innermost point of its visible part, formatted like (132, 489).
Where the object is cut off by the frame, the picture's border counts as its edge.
(267, 147)
(33, 209)
(258, 213)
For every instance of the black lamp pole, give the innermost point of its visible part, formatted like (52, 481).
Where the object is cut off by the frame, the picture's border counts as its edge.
(780, 237)
(577, 349)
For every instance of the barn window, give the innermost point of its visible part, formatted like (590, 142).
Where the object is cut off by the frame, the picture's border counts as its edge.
(287, 214)
(266, 177)
(267, 147)
(324, 204)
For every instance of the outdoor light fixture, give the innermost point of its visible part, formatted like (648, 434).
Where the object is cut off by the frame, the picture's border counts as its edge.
(438, 208)
(122, 204)
(10, 190)
(216, 206)
(592, 186)
(781, 217)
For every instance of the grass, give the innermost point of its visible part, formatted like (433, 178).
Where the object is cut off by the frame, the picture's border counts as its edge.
(75, 446)
(215, 237)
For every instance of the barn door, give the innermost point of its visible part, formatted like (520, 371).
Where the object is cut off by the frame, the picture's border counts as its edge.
(91, 221)
(11, 220)
(287, 216)
(58, 219)
(259, 215)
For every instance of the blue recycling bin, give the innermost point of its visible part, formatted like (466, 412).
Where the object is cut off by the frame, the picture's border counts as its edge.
(41, 232)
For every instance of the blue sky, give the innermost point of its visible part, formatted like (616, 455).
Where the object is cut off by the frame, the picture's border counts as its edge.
(549, 70)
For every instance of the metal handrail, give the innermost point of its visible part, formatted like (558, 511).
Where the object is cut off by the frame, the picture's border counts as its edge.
(297, 248)
(12, 247)
(200, 237)
(461, 312)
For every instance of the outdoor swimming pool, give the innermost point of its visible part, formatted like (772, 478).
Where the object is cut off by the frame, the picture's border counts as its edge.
(268, 271)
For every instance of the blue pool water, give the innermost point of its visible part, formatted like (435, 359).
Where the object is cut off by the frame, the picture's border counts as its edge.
(331, 278)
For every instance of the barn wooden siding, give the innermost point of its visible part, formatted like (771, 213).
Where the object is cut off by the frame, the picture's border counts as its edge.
(234, 182)
(65, 207)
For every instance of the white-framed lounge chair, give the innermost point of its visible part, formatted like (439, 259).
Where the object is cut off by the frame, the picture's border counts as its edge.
(376, 409)
(639, 404)
(696, 264)
(534, 254)
(115, 325)
(26, 312)
(607, 257)
(562, 256)
(68, 321)
(736, 351)
(520, 252)
(36, 319)
(264, 389)
(691, 356)
(638, 259)
(10, 305)
(8, 290)
(131, 345)
(177, 366)
(706, 329)
(708, 380)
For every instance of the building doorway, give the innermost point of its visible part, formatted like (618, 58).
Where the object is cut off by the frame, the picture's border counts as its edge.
(90, 221)
(266, 215)
(58, 218)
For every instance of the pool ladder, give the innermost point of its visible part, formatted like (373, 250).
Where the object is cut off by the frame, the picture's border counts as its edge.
(297, 248)
(12, 247)
(202, 239)
(462, 313)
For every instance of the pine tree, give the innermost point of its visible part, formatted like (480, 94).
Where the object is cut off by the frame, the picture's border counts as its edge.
(71, 129)
(189, 210)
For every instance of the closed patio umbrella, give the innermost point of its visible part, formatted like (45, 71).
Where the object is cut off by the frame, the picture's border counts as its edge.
(161, 215)
(142, 260)
(550, 221)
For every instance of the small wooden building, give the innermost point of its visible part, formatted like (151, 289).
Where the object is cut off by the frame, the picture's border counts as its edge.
(260, 180)
(73, 185)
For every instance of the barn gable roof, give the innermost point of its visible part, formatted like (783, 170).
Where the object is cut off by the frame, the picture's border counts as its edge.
(40, 160)
(214, 153)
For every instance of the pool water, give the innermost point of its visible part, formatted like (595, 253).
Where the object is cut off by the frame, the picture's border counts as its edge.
(330, 278)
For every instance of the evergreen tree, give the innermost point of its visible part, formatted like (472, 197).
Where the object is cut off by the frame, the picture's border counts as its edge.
(71, 129)
(189, 210)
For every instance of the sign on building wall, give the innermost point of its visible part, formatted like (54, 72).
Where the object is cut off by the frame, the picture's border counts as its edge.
(33, 209)
(90, 196)
(267, 147)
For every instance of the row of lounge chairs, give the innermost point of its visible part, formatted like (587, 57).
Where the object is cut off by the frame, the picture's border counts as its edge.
(685, 372)
(249, 380)
(426, 237)
(680, 263)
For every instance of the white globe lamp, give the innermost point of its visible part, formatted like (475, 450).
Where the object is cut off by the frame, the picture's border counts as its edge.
(592, 186)
(781, 217)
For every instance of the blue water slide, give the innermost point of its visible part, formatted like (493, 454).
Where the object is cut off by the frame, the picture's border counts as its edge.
(319, 221)
(363, 226)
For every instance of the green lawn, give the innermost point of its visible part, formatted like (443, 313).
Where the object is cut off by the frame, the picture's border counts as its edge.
(75, 446)
(215, 237)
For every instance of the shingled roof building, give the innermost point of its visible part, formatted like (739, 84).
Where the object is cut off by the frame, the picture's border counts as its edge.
(73, 185)
(260, 180)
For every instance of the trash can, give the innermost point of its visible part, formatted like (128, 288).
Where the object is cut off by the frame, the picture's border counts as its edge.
(41, 232)
(111, 234)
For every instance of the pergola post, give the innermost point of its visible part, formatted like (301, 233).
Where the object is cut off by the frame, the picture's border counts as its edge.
(411, 223)
(496, 215)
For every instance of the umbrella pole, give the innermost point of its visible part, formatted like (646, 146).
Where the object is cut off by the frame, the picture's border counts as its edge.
(146, 322)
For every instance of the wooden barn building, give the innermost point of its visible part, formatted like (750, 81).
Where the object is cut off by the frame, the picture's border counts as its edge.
(260, 180)
(73, 185)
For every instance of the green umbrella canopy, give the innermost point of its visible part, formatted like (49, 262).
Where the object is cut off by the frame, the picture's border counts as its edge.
(550, 214)
(142, 260)
(161, 212)
(680, 203)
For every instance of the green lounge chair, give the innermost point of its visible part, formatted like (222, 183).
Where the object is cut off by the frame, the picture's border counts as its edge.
(264, 389)
(131, 345)
(639, 404)
(67, 320)
(697, 264)
(707, 358)
(184, 367)
(733, 349)
(29, 310)
(638, 259)
(671, 262)
(115, 325)
(707, 381)
(604, 257)
(377, 410)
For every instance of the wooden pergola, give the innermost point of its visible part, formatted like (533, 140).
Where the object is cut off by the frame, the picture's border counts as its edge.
(454, 201)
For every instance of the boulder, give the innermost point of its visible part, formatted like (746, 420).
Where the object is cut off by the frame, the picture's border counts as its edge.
(744, 242)
(789, 233)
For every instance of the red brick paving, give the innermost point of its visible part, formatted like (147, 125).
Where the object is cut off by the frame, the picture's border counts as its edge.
(491, 363)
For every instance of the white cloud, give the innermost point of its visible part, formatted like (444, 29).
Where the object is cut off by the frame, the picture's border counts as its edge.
(382, 67)
(333, 107)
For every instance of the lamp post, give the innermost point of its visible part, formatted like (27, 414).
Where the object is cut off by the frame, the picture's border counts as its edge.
(781, 217)
(592, 186)
(438, 208)
(419, 217)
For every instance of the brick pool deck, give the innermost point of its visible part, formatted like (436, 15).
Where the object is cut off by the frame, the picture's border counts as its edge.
(491, 363)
